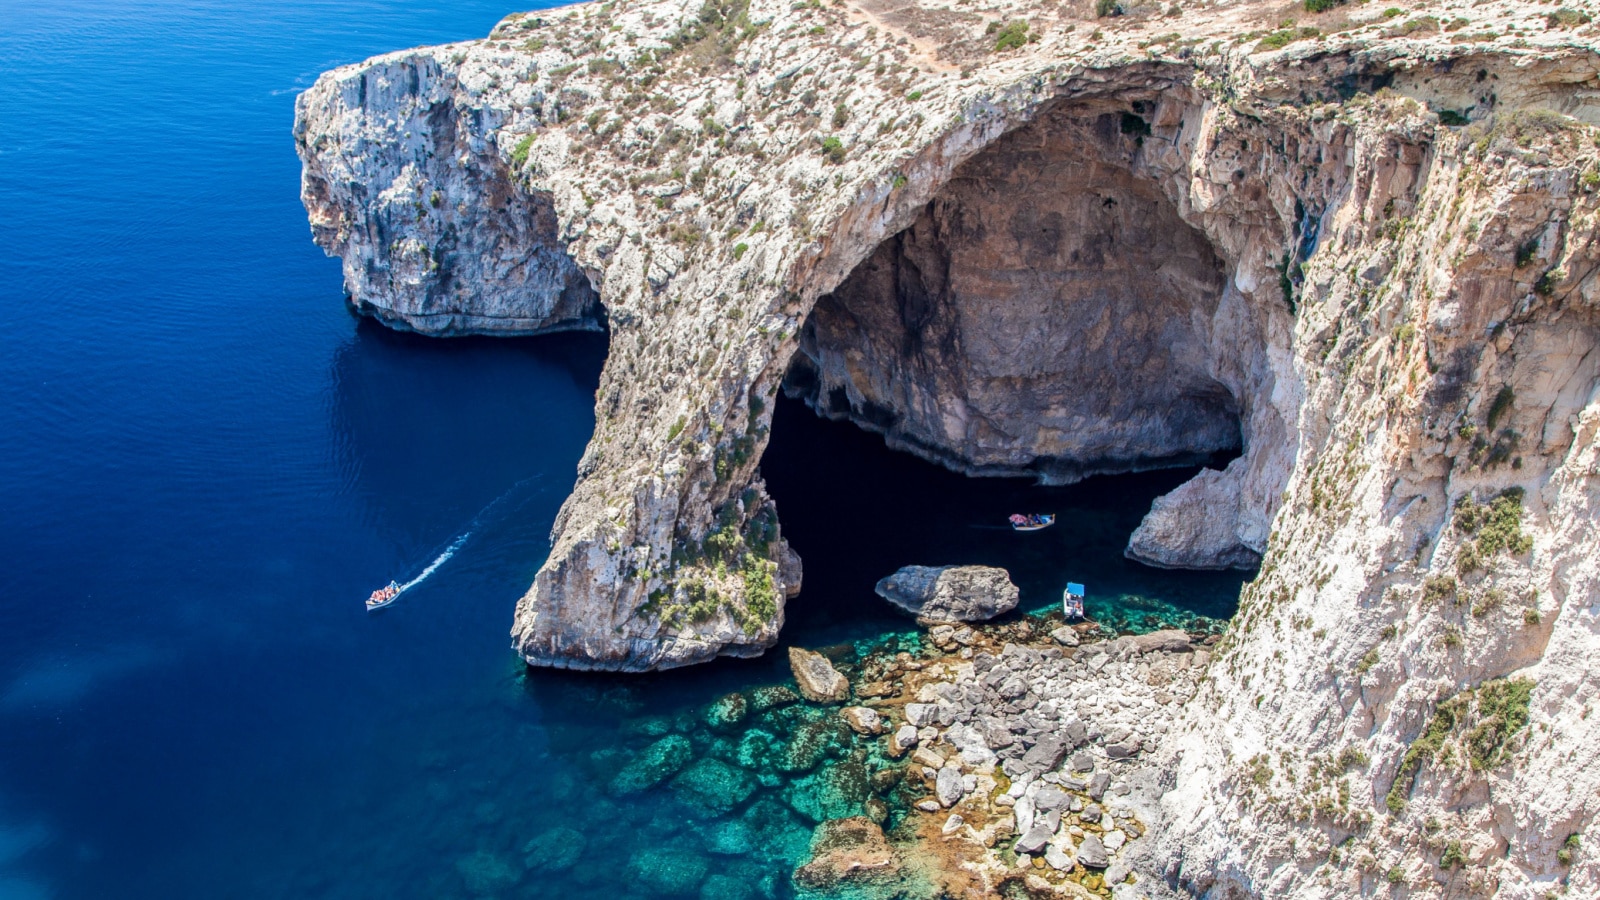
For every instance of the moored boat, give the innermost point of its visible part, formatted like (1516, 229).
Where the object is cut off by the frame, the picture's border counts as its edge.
(383, 596)
(1020, 522)
(1072, 601)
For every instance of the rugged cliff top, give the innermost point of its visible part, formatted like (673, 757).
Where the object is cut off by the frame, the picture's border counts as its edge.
(1356, 246)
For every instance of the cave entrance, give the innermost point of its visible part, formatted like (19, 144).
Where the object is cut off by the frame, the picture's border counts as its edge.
(1048, 317)
(1048, 313)
(856, 511)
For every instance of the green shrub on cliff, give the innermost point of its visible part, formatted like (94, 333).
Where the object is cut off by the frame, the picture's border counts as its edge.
(1567, 18)
(760, 596)
(1500, 405)
(1496, 526)
(519, 153)
(1423, 749)
(712, 36)
(1011, 36)
(1286, 36)
(1498, 710)
(1502, 713)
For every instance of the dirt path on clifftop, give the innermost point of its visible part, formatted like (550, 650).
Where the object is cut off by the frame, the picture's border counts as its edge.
(924, 51)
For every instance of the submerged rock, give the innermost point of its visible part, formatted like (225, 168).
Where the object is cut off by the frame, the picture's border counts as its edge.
(808, 745)
(778, 833)
(726, 712)
(728, 887)
(667, 872)
(554, 850)
(951, 593)
(819, 681)
(734, 838)
(763, 699)
(836, 791)
(486, 873)
(655, 764)
(714, 785)
(848, 851)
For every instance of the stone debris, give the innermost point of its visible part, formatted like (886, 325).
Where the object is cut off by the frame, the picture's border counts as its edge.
(1092, 852)
(902, 740)
(1027, 743)
(1035, 840)
(862, 719)
(1066, 636)
(949, 785)
(1058, 859)
(819, 681)
(950, 593)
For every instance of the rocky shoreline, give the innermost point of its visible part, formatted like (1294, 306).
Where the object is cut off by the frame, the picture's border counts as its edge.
(1019, 748)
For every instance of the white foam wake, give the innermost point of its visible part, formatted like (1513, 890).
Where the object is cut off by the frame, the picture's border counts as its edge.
(479, 520)
(439, 561)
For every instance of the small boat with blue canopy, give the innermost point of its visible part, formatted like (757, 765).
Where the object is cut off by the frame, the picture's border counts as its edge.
(1072, 600)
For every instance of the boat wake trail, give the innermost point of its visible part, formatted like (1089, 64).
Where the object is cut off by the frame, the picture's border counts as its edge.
(438, 561)
(478, 522)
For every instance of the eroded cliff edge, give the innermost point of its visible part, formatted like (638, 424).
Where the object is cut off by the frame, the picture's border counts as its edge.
(1365, 260)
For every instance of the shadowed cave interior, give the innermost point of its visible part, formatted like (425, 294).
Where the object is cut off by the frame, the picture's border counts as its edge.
(1048, 313)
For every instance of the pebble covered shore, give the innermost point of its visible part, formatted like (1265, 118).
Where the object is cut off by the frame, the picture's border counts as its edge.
(1025, 741)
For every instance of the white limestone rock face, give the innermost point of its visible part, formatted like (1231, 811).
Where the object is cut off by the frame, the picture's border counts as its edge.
(1382, 313)
(435, 234)
(1195, 526)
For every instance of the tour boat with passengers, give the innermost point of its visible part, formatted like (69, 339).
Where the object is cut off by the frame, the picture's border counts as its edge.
(1037, 522)
(383, 596)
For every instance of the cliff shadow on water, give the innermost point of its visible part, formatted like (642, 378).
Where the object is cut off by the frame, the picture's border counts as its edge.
(856, 511)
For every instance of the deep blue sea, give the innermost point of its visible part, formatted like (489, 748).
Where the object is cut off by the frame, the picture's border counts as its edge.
(206, 464)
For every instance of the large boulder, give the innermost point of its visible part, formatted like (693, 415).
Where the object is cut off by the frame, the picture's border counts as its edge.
(848, 851)
(1169, 639)
(951, 593)
(819, 681)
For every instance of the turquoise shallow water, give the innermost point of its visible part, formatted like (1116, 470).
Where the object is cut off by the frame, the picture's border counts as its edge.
(208, 464)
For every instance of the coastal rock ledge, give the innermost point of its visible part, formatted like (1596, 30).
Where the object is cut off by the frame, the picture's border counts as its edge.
(951, 593)
(1355, 253)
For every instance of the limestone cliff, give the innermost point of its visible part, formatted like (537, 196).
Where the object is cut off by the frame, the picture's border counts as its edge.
(1359, 249)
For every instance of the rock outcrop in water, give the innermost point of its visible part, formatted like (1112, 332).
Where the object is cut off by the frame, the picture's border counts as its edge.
(951, 593)
(1360, 250)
